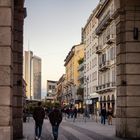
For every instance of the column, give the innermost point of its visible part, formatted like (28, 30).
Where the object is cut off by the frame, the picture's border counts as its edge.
(6, 69)
(128, 68)
(18, 68)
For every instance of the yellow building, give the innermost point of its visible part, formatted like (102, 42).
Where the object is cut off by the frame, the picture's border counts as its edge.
(71, 65)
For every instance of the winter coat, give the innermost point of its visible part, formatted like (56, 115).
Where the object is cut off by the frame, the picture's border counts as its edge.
(39, 114)
(55, 117)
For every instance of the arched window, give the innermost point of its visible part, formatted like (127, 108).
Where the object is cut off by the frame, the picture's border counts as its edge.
(101, 99)
(113, 98)
(104, 98)
(108, 98)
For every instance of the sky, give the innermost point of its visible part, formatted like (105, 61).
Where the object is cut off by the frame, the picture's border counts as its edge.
(51, 28)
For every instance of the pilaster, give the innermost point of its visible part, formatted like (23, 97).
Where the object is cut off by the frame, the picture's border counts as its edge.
(128, 68)
(6, 69)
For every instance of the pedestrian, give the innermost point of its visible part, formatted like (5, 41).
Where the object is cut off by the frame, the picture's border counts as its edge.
(74, 114)
(109, 116)
(55, 118)
(24, 115)
(38, 115)
(103, 115)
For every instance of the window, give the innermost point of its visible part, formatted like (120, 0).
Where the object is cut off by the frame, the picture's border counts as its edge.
(50, 87)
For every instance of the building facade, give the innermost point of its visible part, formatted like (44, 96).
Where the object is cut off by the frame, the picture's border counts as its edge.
(12, 14)
(32, 75)
(71, 66)
(91, 97)
(27, 72)
(36, 77)
(106, 50)
(51, 88)
(80, 88)
(60, 90)
(127, 19)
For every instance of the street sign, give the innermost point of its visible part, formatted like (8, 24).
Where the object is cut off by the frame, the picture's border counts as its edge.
(88, 102)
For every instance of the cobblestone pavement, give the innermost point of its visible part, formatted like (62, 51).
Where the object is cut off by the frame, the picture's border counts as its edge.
(70, 130)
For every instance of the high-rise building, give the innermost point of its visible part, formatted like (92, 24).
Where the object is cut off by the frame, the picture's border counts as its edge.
(27, 62)
(36, 77)
(32, 75)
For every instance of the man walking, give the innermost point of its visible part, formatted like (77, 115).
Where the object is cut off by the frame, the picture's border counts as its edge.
(55, 118)
(38, 115)
(103, 115)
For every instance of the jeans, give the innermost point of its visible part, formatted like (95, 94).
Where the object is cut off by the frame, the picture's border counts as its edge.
(38, 129)
(103, 119)
(55, 131)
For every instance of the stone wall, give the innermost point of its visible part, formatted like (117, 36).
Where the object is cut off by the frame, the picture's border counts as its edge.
(128, 68)
(17, 67)
(11, 46)
(6, 69)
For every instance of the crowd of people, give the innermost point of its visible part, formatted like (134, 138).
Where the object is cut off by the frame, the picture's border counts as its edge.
(55, 116)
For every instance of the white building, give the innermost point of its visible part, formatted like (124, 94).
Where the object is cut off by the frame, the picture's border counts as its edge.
(51, 88)
(106, 50)
(91, 61)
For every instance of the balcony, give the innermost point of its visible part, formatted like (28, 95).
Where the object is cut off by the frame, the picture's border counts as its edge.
(110, 39)
(81, 75)
(79, 97)
(98, 49)
(108, 87)
(81, 67)
(103, 23)
(104, 66)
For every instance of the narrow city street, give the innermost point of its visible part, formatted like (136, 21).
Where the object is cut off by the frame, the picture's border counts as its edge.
(69, 130)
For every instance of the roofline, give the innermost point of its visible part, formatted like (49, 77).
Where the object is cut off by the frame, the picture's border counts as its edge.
(94, 12)
(70, 54)
(102, 8)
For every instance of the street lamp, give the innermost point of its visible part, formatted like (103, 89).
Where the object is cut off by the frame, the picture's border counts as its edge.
(87, 107)
(86, 112)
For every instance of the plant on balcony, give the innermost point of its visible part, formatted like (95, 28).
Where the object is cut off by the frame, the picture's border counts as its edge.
(81, 60)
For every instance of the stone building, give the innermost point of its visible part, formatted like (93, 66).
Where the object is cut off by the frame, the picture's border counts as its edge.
(12, 14)
(71, 68)
(51, 88)
(60, 89)
(91, 61)
(106, 50)
(127, 20)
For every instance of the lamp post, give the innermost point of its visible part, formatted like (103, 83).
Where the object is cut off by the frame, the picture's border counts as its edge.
(86, 111)
(87, 107)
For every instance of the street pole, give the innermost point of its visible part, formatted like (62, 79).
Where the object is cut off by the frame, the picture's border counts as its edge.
(87, 107)
(86, 112)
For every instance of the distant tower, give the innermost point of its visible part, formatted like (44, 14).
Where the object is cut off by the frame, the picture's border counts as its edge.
(36, 77)
(27, 70)
(32, 75)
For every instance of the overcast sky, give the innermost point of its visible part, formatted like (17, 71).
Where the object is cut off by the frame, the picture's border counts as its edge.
(51, 28)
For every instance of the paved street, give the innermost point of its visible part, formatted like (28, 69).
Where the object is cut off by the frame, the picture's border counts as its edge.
(78, 130)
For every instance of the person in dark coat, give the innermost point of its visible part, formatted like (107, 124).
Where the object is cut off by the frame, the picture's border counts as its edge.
(38, 115)
(55, 118)
(75, 113)
(103, 115)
